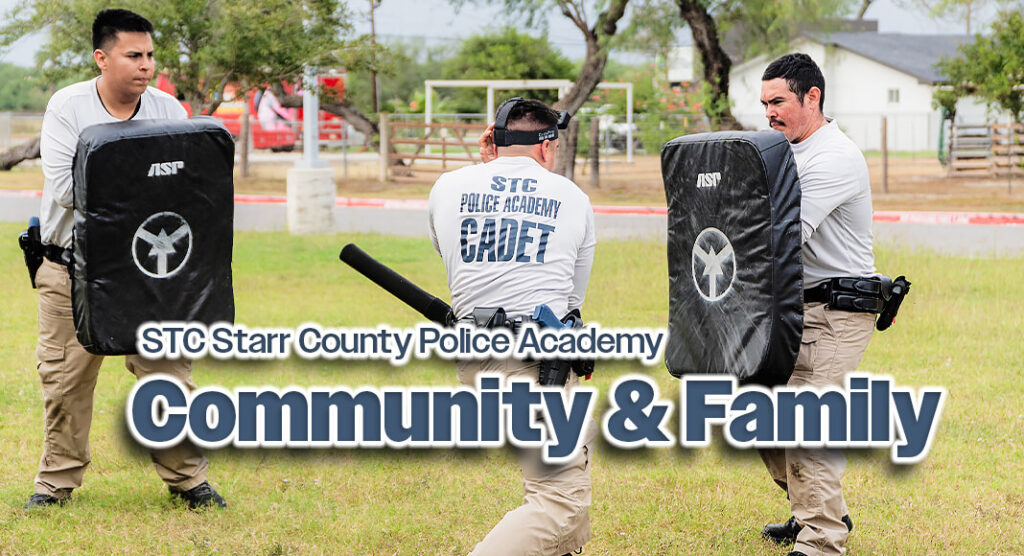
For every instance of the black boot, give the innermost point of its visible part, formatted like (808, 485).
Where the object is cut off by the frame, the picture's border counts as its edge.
(42, 500)
(200, 496)
(785, 533)
(782, 533)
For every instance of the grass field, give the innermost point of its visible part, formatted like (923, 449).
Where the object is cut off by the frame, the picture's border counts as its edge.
(962, 328)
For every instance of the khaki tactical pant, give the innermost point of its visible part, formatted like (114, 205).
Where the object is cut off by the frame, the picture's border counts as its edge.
(555, 516)
(68, 374)
(832, 345)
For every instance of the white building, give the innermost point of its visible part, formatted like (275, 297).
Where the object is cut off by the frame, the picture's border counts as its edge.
(679, 64)
(867, 75)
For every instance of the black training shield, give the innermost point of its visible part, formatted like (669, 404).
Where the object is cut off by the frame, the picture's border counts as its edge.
(735, 271)
(153, 228)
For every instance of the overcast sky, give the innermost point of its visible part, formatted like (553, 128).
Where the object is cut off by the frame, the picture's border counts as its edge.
(436, 22)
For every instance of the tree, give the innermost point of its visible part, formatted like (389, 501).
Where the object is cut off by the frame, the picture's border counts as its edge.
(19, 92)
(865, 4)
(14, 155)
(504, 54)
(401, 79)
(715, 63)
(597, 30)
(766, 27)
(991, 67)
(652, 29)
(959, 10)
(202, 45)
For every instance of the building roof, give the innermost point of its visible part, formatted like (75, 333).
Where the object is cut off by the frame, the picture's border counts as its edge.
(915, 55)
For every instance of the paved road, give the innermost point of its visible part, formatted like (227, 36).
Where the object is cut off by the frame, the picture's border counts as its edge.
(949, 233)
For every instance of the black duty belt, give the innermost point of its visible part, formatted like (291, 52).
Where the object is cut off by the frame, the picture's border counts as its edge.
(59, 255)
(859, 295)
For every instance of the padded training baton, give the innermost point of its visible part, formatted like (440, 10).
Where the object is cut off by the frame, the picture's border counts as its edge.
(397, 285)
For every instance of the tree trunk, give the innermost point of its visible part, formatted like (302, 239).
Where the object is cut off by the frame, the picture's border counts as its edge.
(715, 61)
(195, 104)
(14, 155)
(568, 144)
(863, 8)
(373, 58)
(350, 113)
(590, 74)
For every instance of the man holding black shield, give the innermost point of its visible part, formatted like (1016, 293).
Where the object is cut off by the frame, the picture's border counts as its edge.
(123, 51)
(836, 220)
(515, 235)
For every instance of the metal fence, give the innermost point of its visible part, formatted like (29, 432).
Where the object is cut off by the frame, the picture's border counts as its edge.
(17, 127)
(649, 131)
(908, 132)
(905, 132)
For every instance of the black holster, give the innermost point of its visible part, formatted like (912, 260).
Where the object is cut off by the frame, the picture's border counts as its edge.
(555, 372)
(552, 372)
(875, 294)
(896, 291)
(32, 247)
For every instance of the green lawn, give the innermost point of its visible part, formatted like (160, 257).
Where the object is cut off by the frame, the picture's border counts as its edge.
(961, 328)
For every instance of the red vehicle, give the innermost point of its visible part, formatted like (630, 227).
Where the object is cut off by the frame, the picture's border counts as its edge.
(273, 126)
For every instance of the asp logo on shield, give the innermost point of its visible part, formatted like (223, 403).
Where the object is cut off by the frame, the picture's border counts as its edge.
(714, 264)
(162, 245)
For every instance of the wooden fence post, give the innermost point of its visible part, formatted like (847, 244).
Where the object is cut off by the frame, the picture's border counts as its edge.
(595, 152)
(885, 155)
(385, 146)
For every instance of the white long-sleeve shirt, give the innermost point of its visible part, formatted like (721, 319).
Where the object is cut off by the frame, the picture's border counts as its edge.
(69, 111)
(835, 206)
(512, 235)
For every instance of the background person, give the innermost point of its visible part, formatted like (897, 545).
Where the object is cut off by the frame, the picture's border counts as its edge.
(124, 53)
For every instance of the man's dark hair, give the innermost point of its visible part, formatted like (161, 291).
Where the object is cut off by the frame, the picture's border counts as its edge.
(531, 115)
(801, 73)
(109, 23)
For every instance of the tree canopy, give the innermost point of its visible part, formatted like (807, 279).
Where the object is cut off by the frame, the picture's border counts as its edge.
(19, 92)
(991, 68)
(761, 27)
(202, 45)
(504, 54)
(401, 70)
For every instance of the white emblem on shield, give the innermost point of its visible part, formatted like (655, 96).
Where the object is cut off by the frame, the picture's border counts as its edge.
(167, 252)
(714, 264)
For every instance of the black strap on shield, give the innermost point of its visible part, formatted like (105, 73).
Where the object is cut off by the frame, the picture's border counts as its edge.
(503, 137)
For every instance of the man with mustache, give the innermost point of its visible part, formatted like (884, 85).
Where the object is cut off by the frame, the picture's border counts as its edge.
(836, 215)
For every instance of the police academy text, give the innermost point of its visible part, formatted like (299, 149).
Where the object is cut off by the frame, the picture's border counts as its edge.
(493, 239)
(172, 340)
